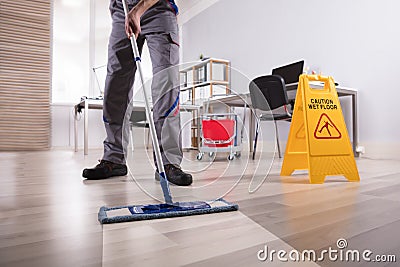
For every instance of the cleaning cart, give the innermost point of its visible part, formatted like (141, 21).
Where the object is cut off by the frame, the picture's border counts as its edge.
(219, 133)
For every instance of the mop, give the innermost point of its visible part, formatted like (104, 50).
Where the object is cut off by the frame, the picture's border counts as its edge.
(169, 208)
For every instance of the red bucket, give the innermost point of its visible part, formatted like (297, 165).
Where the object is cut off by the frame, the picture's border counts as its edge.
(218, 130)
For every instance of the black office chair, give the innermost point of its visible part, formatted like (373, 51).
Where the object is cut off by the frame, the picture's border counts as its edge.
(138, 119)
(268, 93)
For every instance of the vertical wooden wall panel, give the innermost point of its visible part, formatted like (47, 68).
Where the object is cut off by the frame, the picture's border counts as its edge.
(25, 74)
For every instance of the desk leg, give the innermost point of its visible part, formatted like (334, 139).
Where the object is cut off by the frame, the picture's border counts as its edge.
(76, 128)
(355, 124)
(198, 128)
(243, 123)
(86, 120)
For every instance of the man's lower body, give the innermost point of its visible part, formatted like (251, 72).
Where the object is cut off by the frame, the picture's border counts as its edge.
(164, 52)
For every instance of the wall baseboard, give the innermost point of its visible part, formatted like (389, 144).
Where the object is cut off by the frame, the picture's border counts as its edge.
(375, 150)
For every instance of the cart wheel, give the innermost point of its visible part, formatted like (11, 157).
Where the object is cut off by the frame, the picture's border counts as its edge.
(238, 154)
(199, 156)
(210, 154)
(231, 157)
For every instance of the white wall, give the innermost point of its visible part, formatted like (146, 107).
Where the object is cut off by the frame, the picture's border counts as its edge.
(357, 42)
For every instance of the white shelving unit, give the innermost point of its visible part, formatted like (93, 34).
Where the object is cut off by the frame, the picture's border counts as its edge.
(205, 79)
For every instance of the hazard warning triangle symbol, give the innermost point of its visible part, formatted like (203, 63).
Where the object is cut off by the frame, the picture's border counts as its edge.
(326, 129)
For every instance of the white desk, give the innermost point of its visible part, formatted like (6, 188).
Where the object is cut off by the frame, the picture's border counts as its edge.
(239, 100)
(87, 104)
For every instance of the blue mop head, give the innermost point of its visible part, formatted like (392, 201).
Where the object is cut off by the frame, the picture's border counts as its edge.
(159, 211)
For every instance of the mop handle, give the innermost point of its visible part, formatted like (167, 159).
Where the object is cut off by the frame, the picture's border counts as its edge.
(160, 165)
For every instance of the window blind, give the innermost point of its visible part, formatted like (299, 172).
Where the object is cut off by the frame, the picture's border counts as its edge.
(25, 74)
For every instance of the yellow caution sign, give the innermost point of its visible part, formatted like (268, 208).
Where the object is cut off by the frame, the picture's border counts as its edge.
(318, 138)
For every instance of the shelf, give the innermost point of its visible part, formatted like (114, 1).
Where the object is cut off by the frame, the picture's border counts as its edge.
(204, 84)
(202, 63)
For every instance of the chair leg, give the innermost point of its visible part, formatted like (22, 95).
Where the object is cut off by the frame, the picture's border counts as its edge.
(148, 138)
(255, 139)
(131, 137)
(277, 139)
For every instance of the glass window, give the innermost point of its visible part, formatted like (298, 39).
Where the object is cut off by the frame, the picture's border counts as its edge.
(81, 29)
(70, 50)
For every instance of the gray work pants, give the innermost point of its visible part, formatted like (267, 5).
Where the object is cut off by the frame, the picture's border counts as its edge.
(163, 46)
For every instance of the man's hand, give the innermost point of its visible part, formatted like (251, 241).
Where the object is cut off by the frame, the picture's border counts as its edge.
(132, 21)
(132, 24)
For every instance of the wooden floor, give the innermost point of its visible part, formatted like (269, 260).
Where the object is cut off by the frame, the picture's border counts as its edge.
(48, 213)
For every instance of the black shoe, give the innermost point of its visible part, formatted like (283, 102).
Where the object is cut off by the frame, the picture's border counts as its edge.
(175, 175)
(105, 169)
